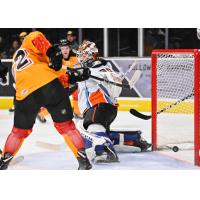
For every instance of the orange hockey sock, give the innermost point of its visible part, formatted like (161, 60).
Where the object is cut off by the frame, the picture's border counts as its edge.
(15, 140)
(71, 135)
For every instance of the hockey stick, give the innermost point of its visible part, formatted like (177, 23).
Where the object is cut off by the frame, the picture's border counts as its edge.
(133, 80)
(147, 117)
(111, 82)
(49, 146)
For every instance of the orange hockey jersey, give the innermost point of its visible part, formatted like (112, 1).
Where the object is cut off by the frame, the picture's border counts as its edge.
(30, 65)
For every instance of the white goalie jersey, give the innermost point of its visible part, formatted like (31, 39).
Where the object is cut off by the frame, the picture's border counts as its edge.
(92, 91)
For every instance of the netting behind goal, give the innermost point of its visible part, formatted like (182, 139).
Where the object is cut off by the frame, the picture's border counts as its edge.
(175, 86)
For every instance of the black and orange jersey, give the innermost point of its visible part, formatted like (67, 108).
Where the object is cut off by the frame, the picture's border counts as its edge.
(30, 65)
(72, 63)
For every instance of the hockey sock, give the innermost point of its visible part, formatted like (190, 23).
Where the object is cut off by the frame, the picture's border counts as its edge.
(15, 140)
(71, 136)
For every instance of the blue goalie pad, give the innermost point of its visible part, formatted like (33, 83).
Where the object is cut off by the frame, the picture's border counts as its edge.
(134, 136)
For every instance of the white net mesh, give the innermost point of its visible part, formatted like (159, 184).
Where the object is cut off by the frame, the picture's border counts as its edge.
(175, 81)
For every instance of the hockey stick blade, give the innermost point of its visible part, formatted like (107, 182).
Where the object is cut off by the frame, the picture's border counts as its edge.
(49, 146)
(139, 115)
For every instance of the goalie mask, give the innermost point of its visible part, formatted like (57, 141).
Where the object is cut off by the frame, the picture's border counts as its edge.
(87, 52)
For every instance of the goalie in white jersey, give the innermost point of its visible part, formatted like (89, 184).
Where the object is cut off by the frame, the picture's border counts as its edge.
(98, 104)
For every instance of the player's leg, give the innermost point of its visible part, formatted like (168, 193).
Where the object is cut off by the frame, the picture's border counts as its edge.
(24, 118)
(124, 140)
(60, 109)
(97, 121)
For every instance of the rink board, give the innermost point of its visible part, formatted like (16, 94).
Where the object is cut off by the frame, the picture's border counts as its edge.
(125, 104)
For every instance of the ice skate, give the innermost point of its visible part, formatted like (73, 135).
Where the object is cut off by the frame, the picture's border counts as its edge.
(143, 145)
(84, 163)
(4, 162)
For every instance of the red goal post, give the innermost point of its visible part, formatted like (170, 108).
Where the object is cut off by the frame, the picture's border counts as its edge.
(170, 61)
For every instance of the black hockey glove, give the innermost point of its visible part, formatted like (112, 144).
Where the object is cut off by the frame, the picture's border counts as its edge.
(3, 72)
(77, 75)
(55, 57)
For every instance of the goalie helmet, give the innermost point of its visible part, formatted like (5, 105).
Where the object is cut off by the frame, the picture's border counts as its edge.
(87, 52)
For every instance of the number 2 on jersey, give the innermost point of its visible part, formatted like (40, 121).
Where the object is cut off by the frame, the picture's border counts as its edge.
(21, 59)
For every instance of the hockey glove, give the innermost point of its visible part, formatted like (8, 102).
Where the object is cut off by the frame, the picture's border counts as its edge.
(3, 72)
(73, 88)
(77, 75)
(55, 57)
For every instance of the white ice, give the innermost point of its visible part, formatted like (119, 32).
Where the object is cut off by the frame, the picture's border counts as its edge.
(60, 157)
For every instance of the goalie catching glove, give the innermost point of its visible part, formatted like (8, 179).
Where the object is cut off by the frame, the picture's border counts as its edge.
(74, 75)
(77, 75)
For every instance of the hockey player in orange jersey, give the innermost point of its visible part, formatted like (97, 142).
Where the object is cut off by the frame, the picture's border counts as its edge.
(36, 68)
(70, 61)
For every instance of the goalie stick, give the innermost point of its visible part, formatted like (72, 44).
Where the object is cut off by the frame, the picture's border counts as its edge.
(147, 117)
(133, 80)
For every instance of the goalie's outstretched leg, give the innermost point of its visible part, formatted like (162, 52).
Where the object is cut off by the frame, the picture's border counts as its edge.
(124, 140)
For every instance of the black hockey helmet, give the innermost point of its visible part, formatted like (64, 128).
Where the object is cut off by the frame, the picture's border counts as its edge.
(64, 42)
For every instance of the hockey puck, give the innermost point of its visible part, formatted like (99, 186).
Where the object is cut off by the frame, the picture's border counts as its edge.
(175, 148)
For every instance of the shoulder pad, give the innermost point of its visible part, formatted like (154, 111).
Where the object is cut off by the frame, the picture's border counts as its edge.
(103, 61)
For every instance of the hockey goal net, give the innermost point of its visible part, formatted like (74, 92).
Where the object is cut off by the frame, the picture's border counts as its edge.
(176, 89)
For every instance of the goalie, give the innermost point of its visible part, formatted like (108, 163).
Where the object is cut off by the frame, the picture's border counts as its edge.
(98, 104)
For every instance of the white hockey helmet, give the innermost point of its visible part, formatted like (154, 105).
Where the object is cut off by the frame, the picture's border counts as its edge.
(87, 51)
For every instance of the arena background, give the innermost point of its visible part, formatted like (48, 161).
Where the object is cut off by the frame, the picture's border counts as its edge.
(121, 46)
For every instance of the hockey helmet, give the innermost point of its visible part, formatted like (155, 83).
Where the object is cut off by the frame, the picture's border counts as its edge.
(87, 51)
(64, 42)
(22, 35)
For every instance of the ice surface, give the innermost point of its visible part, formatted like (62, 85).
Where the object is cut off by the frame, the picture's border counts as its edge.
(37, 157)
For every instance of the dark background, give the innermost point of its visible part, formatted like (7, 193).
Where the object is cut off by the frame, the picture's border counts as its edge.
(123, 42)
